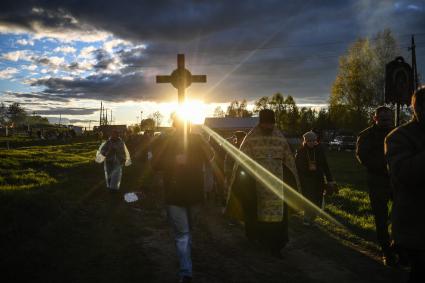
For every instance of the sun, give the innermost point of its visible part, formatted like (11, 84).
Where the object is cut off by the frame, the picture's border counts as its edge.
(193, 111)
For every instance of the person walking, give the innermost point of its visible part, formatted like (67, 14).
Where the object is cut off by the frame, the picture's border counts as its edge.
(114, 154)
(265, 212)
(315, 177)
(370, 153)
(180, 156)
(405, 153)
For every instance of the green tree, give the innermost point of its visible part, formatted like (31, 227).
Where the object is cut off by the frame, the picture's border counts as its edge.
(3, 114)
(262, 103)
(277, 102)
(147, 124)
(322, 120)
(134, 129)
(238, 109)
(306, 120)
(359, 84)
(219, 112)
(385, 49)
(16, 114)
(37, 120)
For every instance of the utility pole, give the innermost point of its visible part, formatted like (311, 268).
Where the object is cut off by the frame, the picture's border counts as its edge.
(100, 115)
(414, 68)
(111, 116)
(60, 119)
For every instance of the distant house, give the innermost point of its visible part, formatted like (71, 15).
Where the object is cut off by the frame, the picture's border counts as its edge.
(225, 126)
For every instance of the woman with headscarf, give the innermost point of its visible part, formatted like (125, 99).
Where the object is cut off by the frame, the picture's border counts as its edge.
(313, 168)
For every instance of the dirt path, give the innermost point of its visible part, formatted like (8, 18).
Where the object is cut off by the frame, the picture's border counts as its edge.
(221, 253)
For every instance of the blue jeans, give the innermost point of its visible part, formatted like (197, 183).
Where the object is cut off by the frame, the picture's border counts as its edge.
(179, 218)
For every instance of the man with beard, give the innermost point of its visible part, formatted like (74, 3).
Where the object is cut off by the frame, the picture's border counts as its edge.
(370, 153)
(264, 212)
(405, 153)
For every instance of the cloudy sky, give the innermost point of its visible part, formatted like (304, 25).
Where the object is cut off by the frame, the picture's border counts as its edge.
(64, 57)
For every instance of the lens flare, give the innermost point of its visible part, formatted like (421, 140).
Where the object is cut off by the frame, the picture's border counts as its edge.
(192, 111)
(268, 180)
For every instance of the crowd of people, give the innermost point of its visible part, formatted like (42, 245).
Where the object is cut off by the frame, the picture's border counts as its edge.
(190, 164)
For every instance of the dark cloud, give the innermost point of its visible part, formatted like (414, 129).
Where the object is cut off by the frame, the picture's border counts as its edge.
(109, 87)
(103, 58)
(67, 111)
(297, 43)
(85, 121)
(37, 96)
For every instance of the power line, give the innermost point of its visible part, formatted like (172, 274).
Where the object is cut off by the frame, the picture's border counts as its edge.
(324, 55)
(217, 51)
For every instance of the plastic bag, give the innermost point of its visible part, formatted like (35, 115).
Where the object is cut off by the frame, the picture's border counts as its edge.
(130, 197)
(99, 156)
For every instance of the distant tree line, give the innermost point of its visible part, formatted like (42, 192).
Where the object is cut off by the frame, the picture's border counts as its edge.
(290, 118)
(14, 115)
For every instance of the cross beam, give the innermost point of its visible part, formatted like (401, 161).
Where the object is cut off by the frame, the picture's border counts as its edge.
(181, 78)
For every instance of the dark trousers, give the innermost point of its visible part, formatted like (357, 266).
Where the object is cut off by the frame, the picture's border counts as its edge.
(273, 235)
(313, 191)
(380, 195)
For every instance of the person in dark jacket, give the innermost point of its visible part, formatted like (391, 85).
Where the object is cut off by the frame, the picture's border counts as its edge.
(115, 157)
(370, 153)
(180, 156)
(313, 168)
(405, 153)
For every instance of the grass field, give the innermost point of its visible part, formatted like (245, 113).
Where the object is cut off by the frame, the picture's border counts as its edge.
(53, 197)
(351, 206)
(58, 220)
(48, 170)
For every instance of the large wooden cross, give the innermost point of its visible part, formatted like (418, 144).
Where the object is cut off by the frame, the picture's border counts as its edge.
(181, 78)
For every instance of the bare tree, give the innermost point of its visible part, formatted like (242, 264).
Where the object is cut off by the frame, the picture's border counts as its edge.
(157, 116)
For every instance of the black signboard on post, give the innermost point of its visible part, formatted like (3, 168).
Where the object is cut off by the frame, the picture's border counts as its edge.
(398, 82)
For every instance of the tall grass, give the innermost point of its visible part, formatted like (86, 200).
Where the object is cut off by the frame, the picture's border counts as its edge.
(351, 206)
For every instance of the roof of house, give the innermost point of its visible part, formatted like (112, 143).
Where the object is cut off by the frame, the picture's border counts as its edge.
(231, 122)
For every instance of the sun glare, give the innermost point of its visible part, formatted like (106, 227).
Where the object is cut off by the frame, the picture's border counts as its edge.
(193, 111)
